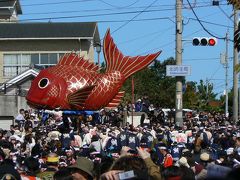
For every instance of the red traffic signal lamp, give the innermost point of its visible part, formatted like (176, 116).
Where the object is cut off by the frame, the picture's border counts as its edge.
(212, 41)
(204, 41)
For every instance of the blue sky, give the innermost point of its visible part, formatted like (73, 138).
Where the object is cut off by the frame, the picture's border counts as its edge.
(146, 26)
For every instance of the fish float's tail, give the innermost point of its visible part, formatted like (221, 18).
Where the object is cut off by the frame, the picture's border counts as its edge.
(116, 61)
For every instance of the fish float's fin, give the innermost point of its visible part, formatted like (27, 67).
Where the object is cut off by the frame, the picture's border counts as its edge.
(74, 59)
(115, 101)
(116, 61)
(79, 97)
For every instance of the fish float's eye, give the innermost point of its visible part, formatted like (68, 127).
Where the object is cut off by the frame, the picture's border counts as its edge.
(43, 83)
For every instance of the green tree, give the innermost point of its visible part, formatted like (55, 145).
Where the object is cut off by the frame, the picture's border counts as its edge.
(161, 89)
(152, 81)
(205, 94)
(190, 96)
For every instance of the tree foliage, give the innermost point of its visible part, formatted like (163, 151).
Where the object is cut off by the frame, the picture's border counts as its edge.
(206, 94)
(190, 96)
(154, 83)
(161, 89)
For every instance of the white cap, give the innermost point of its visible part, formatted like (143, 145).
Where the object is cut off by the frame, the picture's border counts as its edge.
(229, 151)
(33, 114)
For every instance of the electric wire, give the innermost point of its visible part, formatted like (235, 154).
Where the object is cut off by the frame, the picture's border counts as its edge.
(152, 39)
(94, 10)
(92, 15)
(77, 1)
(119, 7)
(145, 35)
(56, 3)
(169, 43)
(201, 59)
(203, 25)
(225, 13)
(99, 21)
(123, 25)
(214, 73)
(108, 9)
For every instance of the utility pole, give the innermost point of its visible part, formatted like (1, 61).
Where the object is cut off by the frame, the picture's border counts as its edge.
(235, 73)
(226, 76)
(178, 98)
(207, 83)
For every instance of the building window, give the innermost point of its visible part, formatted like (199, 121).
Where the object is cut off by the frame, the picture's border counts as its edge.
(14, 64)
(35, 59)
(61, 55)
(53, 58)
(48, 58)
(11, 59)
(44, 59)
(25, 60)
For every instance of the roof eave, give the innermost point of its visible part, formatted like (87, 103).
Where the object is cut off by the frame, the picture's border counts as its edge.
(96, 35)
(29, 72)
(18, 7)
(44, 38)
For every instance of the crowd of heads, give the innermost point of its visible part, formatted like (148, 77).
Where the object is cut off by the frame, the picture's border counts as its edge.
(47, 145)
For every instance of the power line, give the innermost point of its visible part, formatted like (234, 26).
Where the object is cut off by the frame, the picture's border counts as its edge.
(55, 3)
(223, 84)
(99, 21)
(225, 13)
(215, 71)
(143, 36)
(201, 59)
(152, 39)
(119, 13)
(94, 10)
(115, 13)
(217, 79)
(120, 27)
(207, 22)
(119, 6)
(77, 1)
(170, 43)
(202, 24)
(108, 9)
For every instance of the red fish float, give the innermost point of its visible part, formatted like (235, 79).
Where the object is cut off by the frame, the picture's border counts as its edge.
(75, 83)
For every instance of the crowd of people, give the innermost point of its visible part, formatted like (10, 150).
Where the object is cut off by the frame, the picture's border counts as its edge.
(65, 147)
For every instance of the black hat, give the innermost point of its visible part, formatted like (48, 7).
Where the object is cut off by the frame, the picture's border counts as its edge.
(8, 172)
(94, 138)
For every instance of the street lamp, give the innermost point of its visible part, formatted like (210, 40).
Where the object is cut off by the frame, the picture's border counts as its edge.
(98, 49)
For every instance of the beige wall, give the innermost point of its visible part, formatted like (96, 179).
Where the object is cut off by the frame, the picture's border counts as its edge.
(1, 67)
(10, 105)
(44, 45)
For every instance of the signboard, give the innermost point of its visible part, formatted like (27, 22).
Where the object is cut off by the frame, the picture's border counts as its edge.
(136, 120)
(178, 70)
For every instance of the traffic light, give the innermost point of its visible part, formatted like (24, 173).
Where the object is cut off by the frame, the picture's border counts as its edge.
(237, 38)
(204, 41)
(235, 3)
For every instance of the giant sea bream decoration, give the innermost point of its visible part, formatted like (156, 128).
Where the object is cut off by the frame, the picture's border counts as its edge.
(75, 83)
